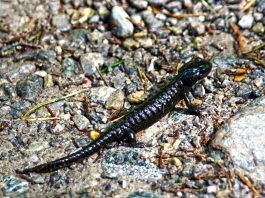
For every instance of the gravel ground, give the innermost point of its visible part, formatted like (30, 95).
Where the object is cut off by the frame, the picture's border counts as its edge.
(109, 56)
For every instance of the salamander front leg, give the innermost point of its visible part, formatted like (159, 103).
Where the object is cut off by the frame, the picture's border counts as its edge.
(129, 139)
(192, 108)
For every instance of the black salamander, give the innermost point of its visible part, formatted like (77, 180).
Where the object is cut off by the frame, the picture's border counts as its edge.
(140, 118)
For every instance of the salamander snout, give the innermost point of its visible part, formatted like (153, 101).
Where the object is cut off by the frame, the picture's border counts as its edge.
(204, 68)
(194, 71)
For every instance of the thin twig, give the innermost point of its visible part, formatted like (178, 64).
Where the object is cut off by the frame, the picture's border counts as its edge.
(237, 37)
(248, 184)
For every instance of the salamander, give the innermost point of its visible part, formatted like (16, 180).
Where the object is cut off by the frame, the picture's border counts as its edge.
(140, 118)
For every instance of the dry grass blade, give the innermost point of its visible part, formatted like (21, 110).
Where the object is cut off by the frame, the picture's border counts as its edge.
(33, 109)
(247, 6)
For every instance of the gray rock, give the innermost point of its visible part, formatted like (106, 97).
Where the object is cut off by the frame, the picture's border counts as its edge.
(18, 108)
(211, 189)
(38, 146)
(30, 87)
(246, 21)
(14, 185)
(19, 71)
(145, 42)
(122, 27)
(179, 116)
(90, 62)
(257, 16)
(61, 22)
(101, 94)
(127, 162)
(199, 90)
(152, 22)
(261, 6)
(9, 89)
(197, 26)
(69, 66)
(157, 2)
(119, 80)
(5, 9)
(38, 179)
(244, 138)
(244, 91)
(116, 100)
(224, 62)
(188, 3)
(208, 84)
(81, 121)
(223, 42)
(140, 4)
(258, 82)
(220, 23)
(80, 142)
(79, 36)
(188, 169)
(142, 195)
(174, 5)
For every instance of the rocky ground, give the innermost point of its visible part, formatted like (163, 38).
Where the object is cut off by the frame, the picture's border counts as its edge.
(107, 57)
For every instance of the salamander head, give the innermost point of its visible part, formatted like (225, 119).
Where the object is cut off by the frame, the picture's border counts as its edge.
(194, 71)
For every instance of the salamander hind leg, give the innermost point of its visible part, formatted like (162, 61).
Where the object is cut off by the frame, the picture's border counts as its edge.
(130, 137)
(130, 140)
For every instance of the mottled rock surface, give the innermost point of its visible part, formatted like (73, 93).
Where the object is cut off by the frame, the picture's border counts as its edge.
(243, 136)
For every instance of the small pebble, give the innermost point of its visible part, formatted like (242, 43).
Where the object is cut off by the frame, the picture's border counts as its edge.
(61, 22)
(94, 135)
(130, 44)
(101, 94)
(116, 100)
(211, 189)
(244, 91)
(81, 15)
(197, 26)
(14, 185)
(38, 179)
(122, 27)
(196, 102)
(18, 72)
(246, 21)
(158, 2)
(258, 82)
(258, 28)
(69, 66)
(9, 90)
(137, 97)
(48, 81)
(38, 146)
(208, 84)
(81, 122)
(188, 3)
(140, 4)
(176, 162)
(30, 87)
(152, 22)
(199, 90)
(90, 62)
